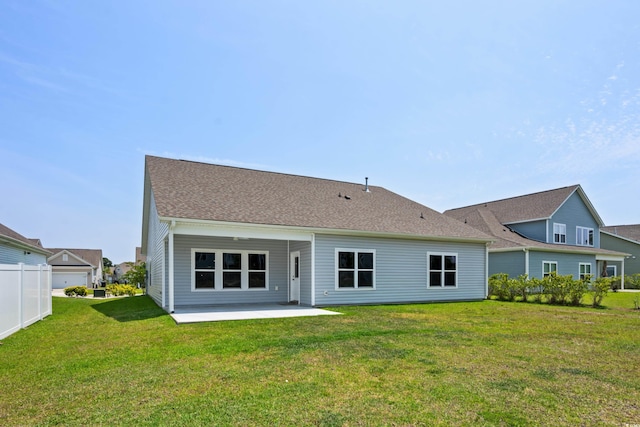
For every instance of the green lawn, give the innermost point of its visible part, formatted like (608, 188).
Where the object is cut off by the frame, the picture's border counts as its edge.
(125, 362)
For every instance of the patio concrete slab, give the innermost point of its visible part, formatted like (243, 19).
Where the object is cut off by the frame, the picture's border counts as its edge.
(245, 312)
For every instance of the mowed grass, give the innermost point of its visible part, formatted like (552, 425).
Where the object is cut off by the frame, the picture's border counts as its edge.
(125, 362)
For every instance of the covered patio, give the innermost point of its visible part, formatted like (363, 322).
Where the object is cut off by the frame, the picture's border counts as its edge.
(245, 312)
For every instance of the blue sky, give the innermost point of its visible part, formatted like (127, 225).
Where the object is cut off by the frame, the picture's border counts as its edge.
(447, 103)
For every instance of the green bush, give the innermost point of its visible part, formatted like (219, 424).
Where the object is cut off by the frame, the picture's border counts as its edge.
(600, 288)
(632, 281)
(121, 290)
(577, 289)
(76, 291)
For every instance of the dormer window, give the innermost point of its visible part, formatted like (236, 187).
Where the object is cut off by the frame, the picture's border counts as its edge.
(559, 233)
(584, 236)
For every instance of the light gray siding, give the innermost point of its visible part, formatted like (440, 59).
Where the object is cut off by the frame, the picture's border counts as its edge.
(13, 255)
(278, 271)
(567, 263)
(512, 263)
(400, 270)
(575, 213)
(535, 230)
(156, 252)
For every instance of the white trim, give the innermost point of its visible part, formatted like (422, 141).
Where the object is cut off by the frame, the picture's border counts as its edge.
(356, 269)
(457, 270)
(171, 271)
(526, 262)
(313, 271)
(549, 262)
(559, 224)
(587, 230)
(219, 270)
(244, 230)
(580, 264)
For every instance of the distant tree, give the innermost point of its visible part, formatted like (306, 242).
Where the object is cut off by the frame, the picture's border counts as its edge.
(106, 263)
(137, 275)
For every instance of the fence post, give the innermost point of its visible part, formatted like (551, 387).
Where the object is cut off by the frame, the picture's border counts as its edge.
(40, 291)
(21, 293)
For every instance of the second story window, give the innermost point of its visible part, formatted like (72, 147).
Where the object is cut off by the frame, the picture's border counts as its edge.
(559, 233)
(584, 236)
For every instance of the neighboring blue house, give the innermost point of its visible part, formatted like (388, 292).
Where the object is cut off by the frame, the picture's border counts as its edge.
(215, 235)
(15, 248)
(622, 238)
(536, 234)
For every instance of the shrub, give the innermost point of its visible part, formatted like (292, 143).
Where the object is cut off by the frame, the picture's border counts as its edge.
(120, 290)
(73, 291)
(632, 281)
(577, 289)
(600, 288)
(557, 287)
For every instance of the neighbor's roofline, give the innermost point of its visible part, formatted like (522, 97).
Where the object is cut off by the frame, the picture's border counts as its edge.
(23, 245)
(620, 237)
(315, 230)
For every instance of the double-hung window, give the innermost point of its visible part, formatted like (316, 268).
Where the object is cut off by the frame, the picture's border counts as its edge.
(549, 267)
(355, 269)
(585, 270)
(584, 236)
(559, 233)
(205, 270)
(443, 270)
(219, 270)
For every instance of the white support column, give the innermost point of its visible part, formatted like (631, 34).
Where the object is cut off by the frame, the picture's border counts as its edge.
(622, 275)
(171, 281)
(313, 270)
(486, 270)
(163, 280)
(526, 263)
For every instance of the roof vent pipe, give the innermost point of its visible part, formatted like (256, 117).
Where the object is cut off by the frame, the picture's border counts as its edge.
(366, 184)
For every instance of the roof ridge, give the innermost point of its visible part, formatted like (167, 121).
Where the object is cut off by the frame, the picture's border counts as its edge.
(263, 171)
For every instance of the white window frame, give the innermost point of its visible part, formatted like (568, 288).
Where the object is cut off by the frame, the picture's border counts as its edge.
(443, 271)
(355, 270)
(615, 270)
(560, 230)
(580, 273)
(550, 263)
(195, 270)
(218, 277)
(65, 257)
(580, 233)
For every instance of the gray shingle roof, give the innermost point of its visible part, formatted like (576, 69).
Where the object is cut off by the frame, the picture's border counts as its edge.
(92, 256)
(631, 232)
(200, 191)
(528, 207)
(16, 237)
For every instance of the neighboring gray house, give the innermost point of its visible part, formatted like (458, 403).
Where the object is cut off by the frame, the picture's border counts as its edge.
(536, 234)
(15, 248)
(76, 267)
(217, 235)
(622, 238)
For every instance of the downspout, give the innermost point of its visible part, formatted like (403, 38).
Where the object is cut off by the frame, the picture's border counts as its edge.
(547, 227)
(289, 272)
(526, 261)
(313, 269)
(164, 275)
(171, 262)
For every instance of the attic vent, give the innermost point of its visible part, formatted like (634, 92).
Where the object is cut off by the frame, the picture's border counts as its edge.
(366, 184)
(421, 215)
(347, 197)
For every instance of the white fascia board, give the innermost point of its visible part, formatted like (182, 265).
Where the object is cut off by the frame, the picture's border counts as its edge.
(524, 221)
(601, 257)
(564, 250)
(241, 231)
(277, 232)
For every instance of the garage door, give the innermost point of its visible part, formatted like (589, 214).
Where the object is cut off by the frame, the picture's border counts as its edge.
(62, 280)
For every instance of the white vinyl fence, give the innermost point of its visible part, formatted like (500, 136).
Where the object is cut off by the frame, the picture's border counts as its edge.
(25, 296)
